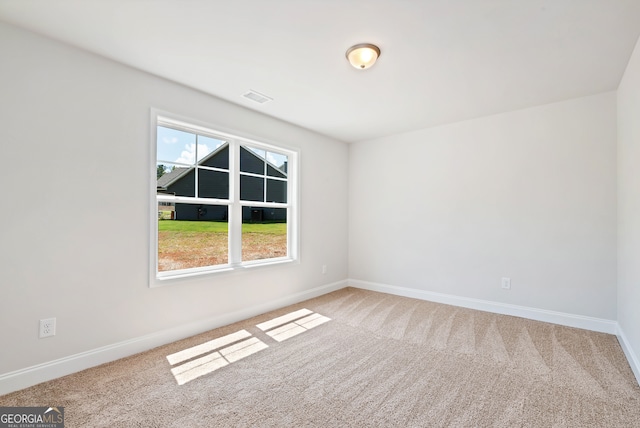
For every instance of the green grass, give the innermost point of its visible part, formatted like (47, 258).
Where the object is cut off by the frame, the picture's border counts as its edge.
(270, 228)
(219, 227)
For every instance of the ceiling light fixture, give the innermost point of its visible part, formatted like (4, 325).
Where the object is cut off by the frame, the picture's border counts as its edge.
(363, 55)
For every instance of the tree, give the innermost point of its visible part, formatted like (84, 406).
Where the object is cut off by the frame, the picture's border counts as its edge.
(162, 170)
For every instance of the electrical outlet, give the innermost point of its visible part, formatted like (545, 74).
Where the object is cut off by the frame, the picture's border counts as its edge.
(47, 327)
(324, 269)
(506, 283)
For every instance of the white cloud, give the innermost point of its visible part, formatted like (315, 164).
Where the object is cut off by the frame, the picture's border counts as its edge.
(189, 154)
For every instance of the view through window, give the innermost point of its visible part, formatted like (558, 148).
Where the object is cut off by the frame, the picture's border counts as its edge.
(222, 200)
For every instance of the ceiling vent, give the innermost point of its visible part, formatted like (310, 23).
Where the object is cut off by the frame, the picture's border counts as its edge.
(257, 97)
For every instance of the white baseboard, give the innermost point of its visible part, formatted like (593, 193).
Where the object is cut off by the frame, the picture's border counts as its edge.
(561, 318)
(33, 375)
(634, 362)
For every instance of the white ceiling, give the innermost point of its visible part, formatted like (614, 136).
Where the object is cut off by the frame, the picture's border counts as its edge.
(442, 60)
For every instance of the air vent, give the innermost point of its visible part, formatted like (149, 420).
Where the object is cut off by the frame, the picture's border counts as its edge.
(257, 97)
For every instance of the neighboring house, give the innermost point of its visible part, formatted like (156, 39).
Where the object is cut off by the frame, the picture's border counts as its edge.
(181, 181)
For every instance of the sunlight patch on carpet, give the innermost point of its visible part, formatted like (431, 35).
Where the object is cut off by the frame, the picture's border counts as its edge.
(292, 324)
(208, 357)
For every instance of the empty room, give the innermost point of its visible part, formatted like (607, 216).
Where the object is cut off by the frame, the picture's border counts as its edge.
(320, 213)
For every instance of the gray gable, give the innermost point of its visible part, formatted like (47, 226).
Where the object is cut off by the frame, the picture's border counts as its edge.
(172, 176)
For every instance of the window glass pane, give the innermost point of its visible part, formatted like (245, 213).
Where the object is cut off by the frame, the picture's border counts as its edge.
(193, 230)
(197, 236)
(276, 191)
(218, 158)
(251, 160)
(251, 188)
(176, 180)
(213, 184)
(261, 153)
(175, 146)
(264, 233)
(277, 166)
(274, 172)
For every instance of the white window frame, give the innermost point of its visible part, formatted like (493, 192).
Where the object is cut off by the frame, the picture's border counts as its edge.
(236, 140)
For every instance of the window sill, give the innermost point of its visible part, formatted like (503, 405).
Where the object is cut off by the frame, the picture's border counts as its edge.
(170, 279)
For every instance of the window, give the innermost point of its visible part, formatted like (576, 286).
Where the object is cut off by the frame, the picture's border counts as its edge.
(223, 201)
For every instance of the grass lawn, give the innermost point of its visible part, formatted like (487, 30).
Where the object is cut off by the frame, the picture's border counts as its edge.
(188, 244)
(219, 227)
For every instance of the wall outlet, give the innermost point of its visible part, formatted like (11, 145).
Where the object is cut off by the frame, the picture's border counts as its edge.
(506, 283)
(324, 269)
(47, 327)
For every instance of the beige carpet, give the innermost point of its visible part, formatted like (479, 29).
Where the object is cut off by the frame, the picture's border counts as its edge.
(356, 358)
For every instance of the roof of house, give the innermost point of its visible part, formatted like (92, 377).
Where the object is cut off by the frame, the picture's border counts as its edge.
(177, 172)
(172, 176)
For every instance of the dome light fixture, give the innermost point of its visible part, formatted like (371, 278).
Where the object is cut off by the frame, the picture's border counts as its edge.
(363, 55)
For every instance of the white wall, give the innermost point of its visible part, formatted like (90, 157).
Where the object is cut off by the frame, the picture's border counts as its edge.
(74, 168)
(629, 207)
(529, 195)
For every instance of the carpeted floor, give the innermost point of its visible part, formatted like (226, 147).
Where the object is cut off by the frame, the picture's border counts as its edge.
(356, 358)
